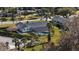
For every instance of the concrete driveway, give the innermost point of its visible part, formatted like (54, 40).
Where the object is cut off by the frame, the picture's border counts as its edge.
(7, 39)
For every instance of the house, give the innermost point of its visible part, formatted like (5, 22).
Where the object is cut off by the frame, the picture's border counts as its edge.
(40, 28)
(60, 21)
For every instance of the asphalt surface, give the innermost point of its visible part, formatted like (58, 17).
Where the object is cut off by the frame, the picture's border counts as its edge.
(14, 22)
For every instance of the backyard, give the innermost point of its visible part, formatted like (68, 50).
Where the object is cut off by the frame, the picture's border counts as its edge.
(11, 23)
(41, 39)
(40, 29)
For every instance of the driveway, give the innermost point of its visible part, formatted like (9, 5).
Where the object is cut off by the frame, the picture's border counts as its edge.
(7, 39)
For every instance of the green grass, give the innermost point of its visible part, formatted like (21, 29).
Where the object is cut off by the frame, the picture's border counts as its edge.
(35, 48)
(6, 25)
(28, 17)
(55, 39)
(57, 35)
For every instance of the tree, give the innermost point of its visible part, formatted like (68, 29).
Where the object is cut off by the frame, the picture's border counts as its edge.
(66, 42)
(70, 39)
(40, 13)
(44, 12)
(7, 45)
(13, 11)
(24, 41)
(13, 19)
(3, 19)
(64, 11)
(17, 43)
(49, 25)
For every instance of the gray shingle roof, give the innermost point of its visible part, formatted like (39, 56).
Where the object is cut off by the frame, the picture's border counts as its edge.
(33, 26)
(36, 24)
(40, 29)
(59, 19)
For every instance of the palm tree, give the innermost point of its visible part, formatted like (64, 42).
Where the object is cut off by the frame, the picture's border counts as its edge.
(3, 15)
(40, 13)
(13, 17)
(49, 25)
(13, 11)
(27, 25)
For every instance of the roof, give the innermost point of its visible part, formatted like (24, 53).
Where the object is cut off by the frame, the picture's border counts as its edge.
(33, 26)
(59, 19)
(36, 24)
(40, 29)
(20, 25)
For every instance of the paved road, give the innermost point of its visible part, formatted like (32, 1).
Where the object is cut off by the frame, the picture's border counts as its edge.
(11, 22)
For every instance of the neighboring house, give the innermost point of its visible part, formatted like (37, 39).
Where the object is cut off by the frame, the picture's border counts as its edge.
(4, 14)
(59, 21)
(20, 12)
(1, 14)
(37, 27)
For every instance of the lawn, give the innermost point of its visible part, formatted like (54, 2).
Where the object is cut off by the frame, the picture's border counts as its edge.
(57, 36)
(28, 17)
(55, 39)
(6, 25)
(35, 48)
